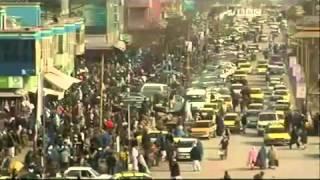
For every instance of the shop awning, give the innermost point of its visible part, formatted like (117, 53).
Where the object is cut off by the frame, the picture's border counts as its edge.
(307, 34)
(121, 45)
(9, 94)
(48, 91)
(59, 79)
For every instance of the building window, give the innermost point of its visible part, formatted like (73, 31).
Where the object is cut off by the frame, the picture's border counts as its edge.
(13, 51)
(60, 44)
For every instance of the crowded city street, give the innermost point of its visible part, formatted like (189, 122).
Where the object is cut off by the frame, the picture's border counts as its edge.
(219, 90)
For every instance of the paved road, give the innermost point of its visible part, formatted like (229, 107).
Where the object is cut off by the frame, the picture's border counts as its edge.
(294, 163)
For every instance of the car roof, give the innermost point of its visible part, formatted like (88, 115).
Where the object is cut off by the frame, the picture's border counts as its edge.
(256, 104)
(237, 84)
(154, 84)
(267, 112)
(131, 174)
(193, 91)
(79, 168)
(187, 139)
(231, 114)
(255, 88)
(205, 109)
(203, 121)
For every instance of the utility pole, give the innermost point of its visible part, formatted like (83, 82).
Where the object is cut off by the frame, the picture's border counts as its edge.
(129, 119)
(187, 48)
(101, 91)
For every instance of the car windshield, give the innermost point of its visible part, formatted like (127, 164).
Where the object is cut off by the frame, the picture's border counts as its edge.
(226, 98)
(245, 65)
(230, 117)
(252, 114)
(185, 144)
(255, 107)
(255, 91)
(240, 72)
(195, 98)
(262, 66)
(214, 106)
(276, 130)
(152, 89)
(95, 172)
(267, 117)
(236, 86)
(202, 125)
(281, 93)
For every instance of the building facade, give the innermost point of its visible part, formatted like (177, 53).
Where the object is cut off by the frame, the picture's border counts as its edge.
(307, 67)
(28, 51)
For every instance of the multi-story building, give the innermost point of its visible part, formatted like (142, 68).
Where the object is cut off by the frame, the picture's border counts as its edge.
(31, 48)
(103, 20)
(307, 76)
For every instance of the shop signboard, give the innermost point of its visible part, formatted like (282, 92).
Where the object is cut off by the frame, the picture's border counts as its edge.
(11, 82)
(296, 69)
(292, 61)
(189, 5)
(301, 89)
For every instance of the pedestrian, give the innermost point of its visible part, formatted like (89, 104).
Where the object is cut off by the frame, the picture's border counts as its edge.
(304, 138)
(224, 145)
(195, 156)
(294, 138)
(200, 147)
(111, 163)
(226, 175)
(252, 158)
(273, 158)
(258, 176)
(244, 123)
(135, 154)
(175, 170)
(262, 158)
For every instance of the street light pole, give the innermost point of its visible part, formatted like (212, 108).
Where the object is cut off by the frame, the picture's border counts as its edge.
(101, 91)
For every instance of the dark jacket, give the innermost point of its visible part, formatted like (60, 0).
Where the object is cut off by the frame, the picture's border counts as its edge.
(174, 169)
(195, 154)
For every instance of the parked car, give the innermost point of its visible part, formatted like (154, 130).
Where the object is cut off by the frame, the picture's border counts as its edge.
(76, 172)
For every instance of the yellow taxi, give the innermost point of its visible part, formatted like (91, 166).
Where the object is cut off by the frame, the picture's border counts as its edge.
(262, 68)
(256, 95)
(264, 119)
(282, 105)
(240, 75)
(280, 116)
(131, 175)
(282, 95)
(254, 107)
(213, 106)
(203, 129)
(232, 121)
(245, 66)
(207, 114)
(221, 103)
(275, 134)
(153, 135)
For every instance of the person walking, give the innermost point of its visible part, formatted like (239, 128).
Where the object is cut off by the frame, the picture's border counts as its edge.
(273, 158)
(252, 158)
(262, 158)
(200, 147)
(304, 138)
(111, 163)
(244, 123)
(294, 137)
(175, 170)
(224, 146)
(195, 157)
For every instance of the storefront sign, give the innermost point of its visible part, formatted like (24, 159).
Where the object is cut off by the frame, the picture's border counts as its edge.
(301, 90)
(296, 69)
(292, 61)
(8, 82)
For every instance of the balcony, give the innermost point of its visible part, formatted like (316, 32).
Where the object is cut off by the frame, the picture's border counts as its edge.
(139, 3)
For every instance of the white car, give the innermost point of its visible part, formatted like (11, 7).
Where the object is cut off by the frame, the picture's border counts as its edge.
(184, 147)
(81, 172)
